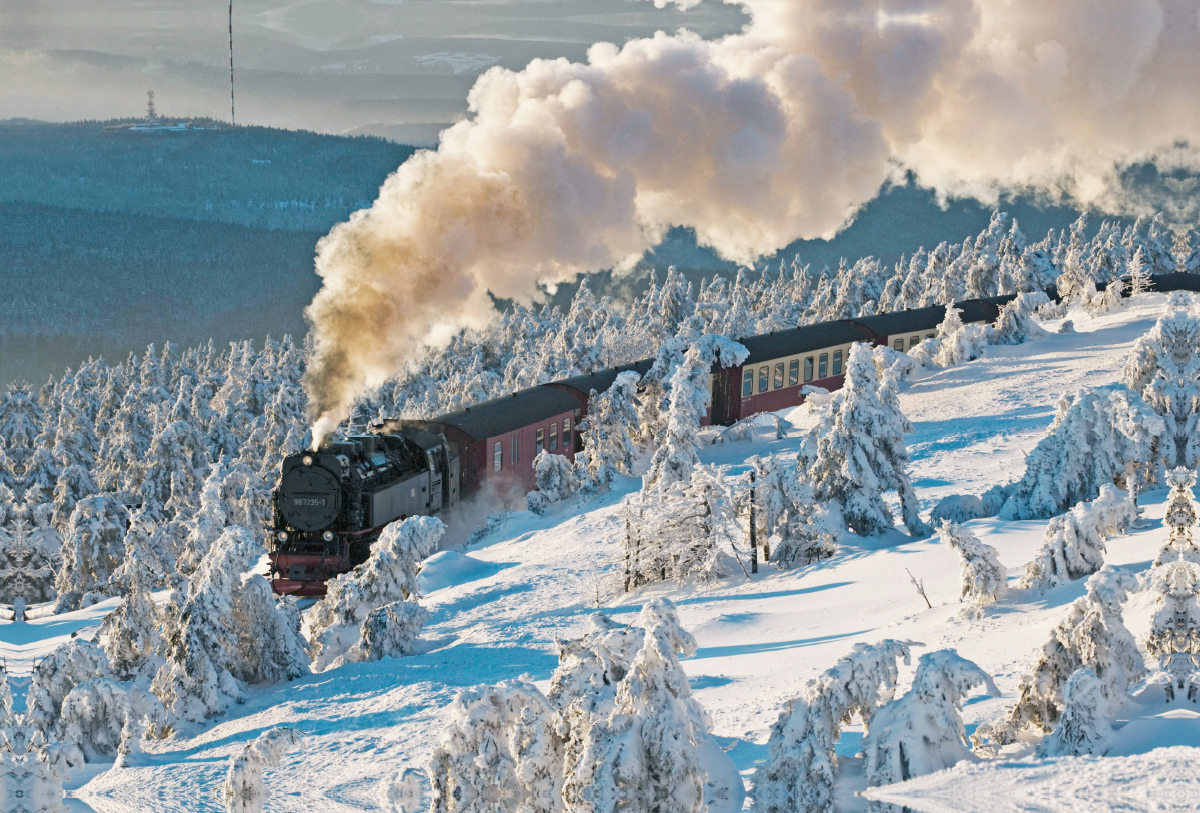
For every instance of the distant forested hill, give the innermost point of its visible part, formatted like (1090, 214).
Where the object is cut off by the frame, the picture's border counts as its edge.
(111, 238)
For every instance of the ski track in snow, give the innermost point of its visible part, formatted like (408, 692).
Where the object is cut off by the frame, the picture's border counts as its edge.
(502, 603)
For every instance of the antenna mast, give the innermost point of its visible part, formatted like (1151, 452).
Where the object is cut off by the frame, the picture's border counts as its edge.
(232, 119)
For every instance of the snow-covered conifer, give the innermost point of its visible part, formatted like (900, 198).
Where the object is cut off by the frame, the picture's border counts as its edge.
(1083, 729)
(1174, 637)
(922, 731)
(983, 579)
(498, 751)
(608, 431)
(1074, 543)
(57, 674)
(389, 575)
(856, 452)
(802, 531)
(801, 768)
(1139, 276)
(103, 719)
(1099, 435)
(1091, 634)
(958, 342)
(244, 790)
(556, 480)
(1016, 323)
(92, 550)
(1181, 517)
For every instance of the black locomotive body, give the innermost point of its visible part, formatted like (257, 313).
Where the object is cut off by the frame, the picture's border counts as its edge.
(331, 504)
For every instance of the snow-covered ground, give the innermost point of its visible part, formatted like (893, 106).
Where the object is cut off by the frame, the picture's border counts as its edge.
(498, 607)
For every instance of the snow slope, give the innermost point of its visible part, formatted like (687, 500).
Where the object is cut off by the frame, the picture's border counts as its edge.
(498, 606)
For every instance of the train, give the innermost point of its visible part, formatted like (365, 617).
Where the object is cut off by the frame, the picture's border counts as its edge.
(330, 505)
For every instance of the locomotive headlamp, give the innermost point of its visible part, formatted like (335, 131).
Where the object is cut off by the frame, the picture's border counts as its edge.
(327, 536)
(306, 460)
(282, 536)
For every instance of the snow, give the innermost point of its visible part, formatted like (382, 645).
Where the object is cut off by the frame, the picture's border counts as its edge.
(497, 608)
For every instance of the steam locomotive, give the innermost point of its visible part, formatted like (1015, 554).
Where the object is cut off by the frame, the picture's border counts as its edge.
(332, 503)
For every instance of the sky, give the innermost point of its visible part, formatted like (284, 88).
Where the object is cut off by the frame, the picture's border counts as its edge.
(396, 68)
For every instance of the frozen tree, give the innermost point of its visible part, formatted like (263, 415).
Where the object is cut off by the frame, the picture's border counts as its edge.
(922, 731)
(1017, 323)
(498, 751)
(556, 480)
(856, 451)
(1181, 517)
(1139, 276)
(1074, 543)
(130, 633)
(803, 531)
(92, 550)
(686, 531)
(389, 575)
(57, 674)
(390, 631)
(1100, 435)
(608, 431)
(958, 342)
(1164, 368)
(104, 719)
(1174, 637)
(1083, 729)
(801, 767)
(676, 458)
(228, 632)
(1091, 635)
(244, 790)
(983, 579)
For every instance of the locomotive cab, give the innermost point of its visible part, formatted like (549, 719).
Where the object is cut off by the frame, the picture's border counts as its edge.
(331, 504)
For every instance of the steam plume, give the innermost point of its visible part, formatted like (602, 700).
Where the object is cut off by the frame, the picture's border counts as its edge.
(755, 140)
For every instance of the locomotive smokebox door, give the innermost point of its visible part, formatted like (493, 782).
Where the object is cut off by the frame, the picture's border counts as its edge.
(310, 498)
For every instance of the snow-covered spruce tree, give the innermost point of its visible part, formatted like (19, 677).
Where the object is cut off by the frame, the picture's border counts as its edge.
(802, 530)
(556, 480)
(389, 575)
(856, 451)
(106, 719)
(676, 458)
(1074, 543)
(958, 342)
(922, 731)
(1164, 368)
(498, 751)
(608, 431)
(686, 531)
(644, 755)
(1174, 636)
(1083, 729)
(801, 768)
(130, 633)
(1139, 276)
(1100, 435)
(1181, 517)
(227, 632)
(56, 675)
(1091, 635)
(1017, 323)
(92, 551)
(983, 579)
(244, 790)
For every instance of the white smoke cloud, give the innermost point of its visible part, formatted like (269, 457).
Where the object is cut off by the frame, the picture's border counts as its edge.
(755, 140)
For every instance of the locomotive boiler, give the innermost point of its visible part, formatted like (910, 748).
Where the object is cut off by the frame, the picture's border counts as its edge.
(332, 503)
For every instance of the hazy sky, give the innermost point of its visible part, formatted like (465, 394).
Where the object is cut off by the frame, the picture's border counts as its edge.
(400, 68)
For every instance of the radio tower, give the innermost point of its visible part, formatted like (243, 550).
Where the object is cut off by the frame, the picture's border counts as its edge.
(232, 119)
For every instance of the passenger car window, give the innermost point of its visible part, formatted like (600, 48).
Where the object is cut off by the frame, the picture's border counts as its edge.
(516, 455)
(808, 369)
(794, 373)
(553, 437)
(823, 365)
(566, 434)
(778, 376)
(498, 456)
(837, 362)
(899, 345)
(913, 341)
(747, 383)
(764, 374)
(540, 443)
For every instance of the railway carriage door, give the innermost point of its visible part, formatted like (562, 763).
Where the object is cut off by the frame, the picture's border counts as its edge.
(435, 482)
